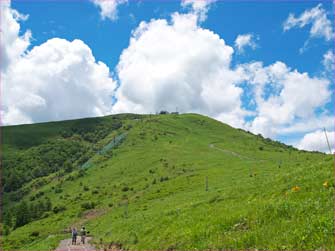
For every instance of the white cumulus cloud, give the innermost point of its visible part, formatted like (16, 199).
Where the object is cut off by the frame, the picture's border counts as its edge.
(317, 141)
(12, 45)
(321, 26)
(160, 70)
(56, 80)
(313, 123)
(284, 96)
(108, 8)
(245, 40)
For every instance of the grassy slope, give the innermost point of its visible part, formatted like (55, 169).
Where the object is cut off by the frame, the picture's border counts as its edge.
(237, 211)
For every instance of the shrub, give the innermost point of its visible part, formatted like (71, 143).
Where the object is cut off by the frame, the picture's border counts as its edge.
(125, 189)
(95, 191)
(88, 205)
(128, 127)
(35, 234)
(58, 190)
(58, 209)
(39, 194)
(81, 173)
(70, 178)
(162, 179)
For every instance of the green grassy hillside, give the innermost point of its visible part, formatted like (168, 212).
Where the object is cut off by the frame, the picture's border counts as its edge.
(163, 182)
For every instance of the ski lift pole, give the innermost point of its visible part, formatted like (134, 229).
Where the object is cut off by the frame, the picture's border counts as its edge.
(324, 129)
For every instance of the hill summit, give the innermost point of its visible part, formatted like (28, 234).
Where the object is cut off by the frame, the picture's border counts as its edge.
(162, 182)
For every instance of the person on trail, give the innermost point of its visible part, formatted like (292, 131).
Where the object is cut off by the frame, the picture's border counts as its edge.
(74, 236)
(83, 233)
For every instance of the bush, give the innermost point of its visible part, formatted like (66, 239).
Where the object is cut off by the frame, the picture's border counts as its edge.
(88, 205)
(125, 189)
(58, 190)
(261, 148)
(70, 178)
(95, 191)
(81, 173)
(35, 234)
(58, 209)
(128, 127)
(162, 179)
(39, 194)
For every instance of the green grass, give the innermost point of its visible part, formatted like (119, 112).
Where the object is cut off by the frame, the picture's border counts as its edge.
(150, 191)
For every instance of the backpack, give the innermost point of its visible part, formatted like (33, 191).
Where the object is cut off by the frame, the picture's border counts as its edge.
(83, 231)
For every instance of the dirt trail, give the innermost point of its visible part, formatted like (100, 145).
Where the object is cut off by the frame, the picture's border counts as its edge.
(65, 245)
(234, 153)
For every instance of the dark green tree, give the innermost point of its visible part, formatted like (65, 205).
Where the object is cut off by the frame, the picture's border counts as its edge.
(22, 216)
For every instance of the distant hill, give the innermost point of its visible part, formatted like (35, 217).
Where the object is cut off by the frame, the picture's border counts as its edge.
(162, 182)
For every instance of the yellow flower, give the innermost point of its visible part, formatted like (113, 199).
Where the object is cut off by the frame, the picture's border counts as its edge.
(326, 184)
(295, 189)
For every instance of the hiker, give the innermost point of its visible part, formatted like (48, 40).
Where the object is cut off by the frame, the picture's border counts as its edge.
(83, 234)
(74, 236)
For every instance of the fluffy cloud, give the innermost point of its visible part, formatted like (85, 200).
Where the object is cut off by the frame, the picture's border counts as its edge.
(316, 141)
(283, 96)
(56, 80)
(12, 45)
(160, 70)
(245, 40)
(321, 26)
(313, 123)
(108, 8)
(199, 7)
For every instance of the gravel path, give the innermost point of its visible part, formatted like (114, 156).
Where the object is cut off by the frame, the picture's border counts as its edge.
(65, 245)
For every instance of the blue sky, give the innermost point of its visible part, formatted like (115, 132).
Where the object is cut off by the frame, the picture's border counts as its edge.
(281, 62)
